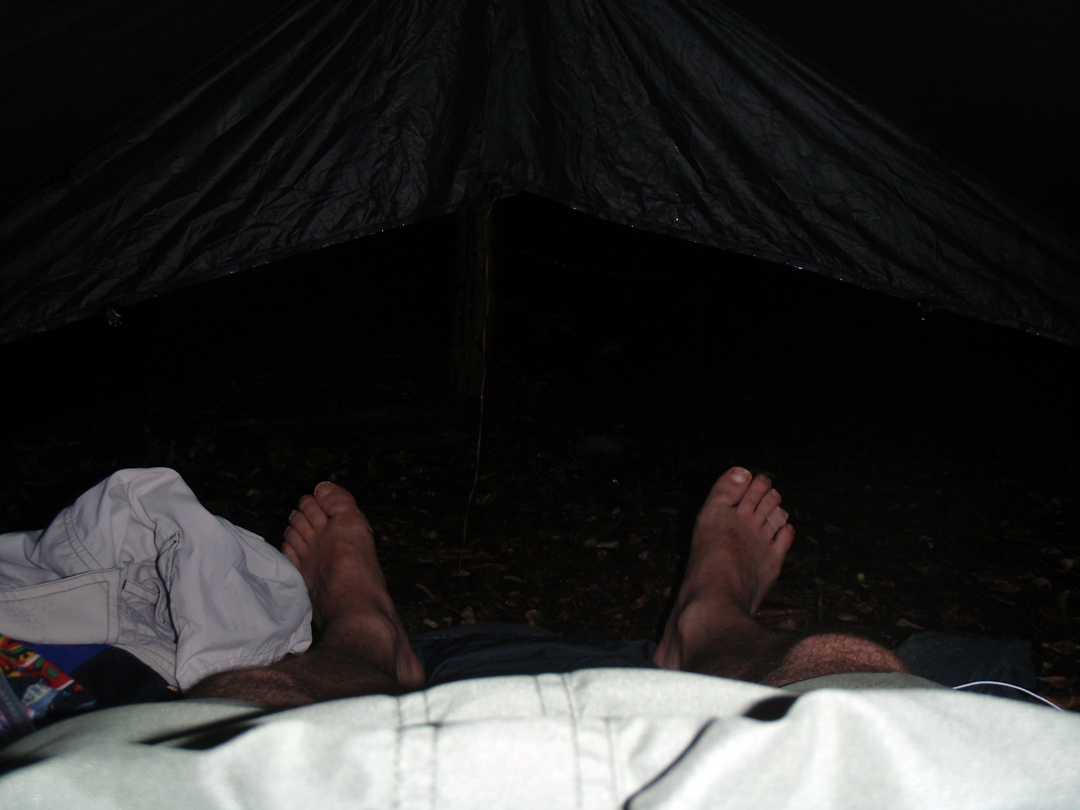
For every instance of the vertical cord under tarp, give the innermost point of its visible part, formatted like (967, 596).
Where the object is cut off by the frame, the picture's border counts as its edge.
(483, 376)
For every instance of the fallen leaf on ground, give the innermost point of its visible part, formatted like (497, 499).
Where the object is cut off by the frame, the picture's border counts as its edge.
(1062, 647)
(424, 588)
(1058, 681)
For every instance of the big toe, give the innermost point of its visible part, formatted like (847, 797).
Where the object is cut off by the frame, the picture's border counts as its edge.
(731, 486)
(335, 500)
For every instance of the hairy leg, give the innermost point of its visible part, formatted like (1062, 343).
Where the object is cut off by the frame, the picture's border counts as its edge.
(364, 648)
(740, 539)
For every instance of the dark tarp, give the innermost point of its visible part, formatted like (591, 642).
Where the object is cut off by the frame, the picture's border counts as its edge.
(274, 129)
(993, 83)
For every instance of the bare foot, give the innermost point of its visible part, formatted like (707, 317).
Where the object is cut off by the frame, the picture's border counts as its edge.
(740, 539)
(330, 541)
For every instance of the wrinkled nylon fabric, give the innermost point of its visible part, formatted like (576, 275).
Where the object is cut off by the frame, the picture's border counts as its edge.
(333, 119)
(592, 739)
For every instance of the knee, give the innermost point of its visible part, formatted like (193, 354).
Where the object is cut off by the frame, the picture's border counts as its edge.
(849, 653)
(830, 654)
(266, 687)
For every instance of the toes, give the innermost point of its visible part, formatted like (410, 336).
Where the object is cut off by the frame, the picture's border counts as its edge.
(769, 502)
(783, 540)
(754, 493)
(316, 517)
(294, 558)
(299, 523)
(335, 500)
(731, 486)
(777, 519)
(296, 540)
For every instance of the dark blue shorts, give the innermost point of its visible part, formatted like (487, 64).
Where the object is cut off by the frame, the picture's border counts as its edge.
(494, 648)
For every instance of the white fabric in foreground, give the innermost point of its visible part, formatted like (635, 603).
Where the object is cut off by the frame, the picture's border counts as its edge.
(138, 562)
(609, 738)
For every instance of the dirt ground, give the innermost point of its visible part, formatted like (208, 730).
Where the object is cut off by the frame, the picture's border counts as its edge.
(929, 465)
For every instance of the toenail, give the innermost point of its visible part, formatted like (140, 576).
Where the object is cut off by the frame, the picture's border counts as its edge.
(740, 475)
(290, 517)
(764, 479)
(321, 484)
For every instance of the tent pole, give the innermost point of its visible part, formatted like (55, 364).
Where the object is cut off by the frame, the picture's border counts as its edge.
(474, 299)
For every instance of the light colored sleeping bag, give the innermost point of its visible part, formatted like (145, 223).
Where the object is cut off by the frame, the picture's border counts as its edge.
(608, 738)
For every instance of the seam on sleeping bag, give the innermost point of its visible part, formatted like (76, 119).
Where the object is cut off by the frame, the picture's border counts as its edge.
(398, 745)
(433, 790)
(539, 696)
(577, 747)
(575, 710)
(613, 771)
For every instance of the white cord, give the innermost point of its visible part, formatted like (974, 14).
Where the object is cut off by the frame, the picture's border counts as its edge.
(1027, 692)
